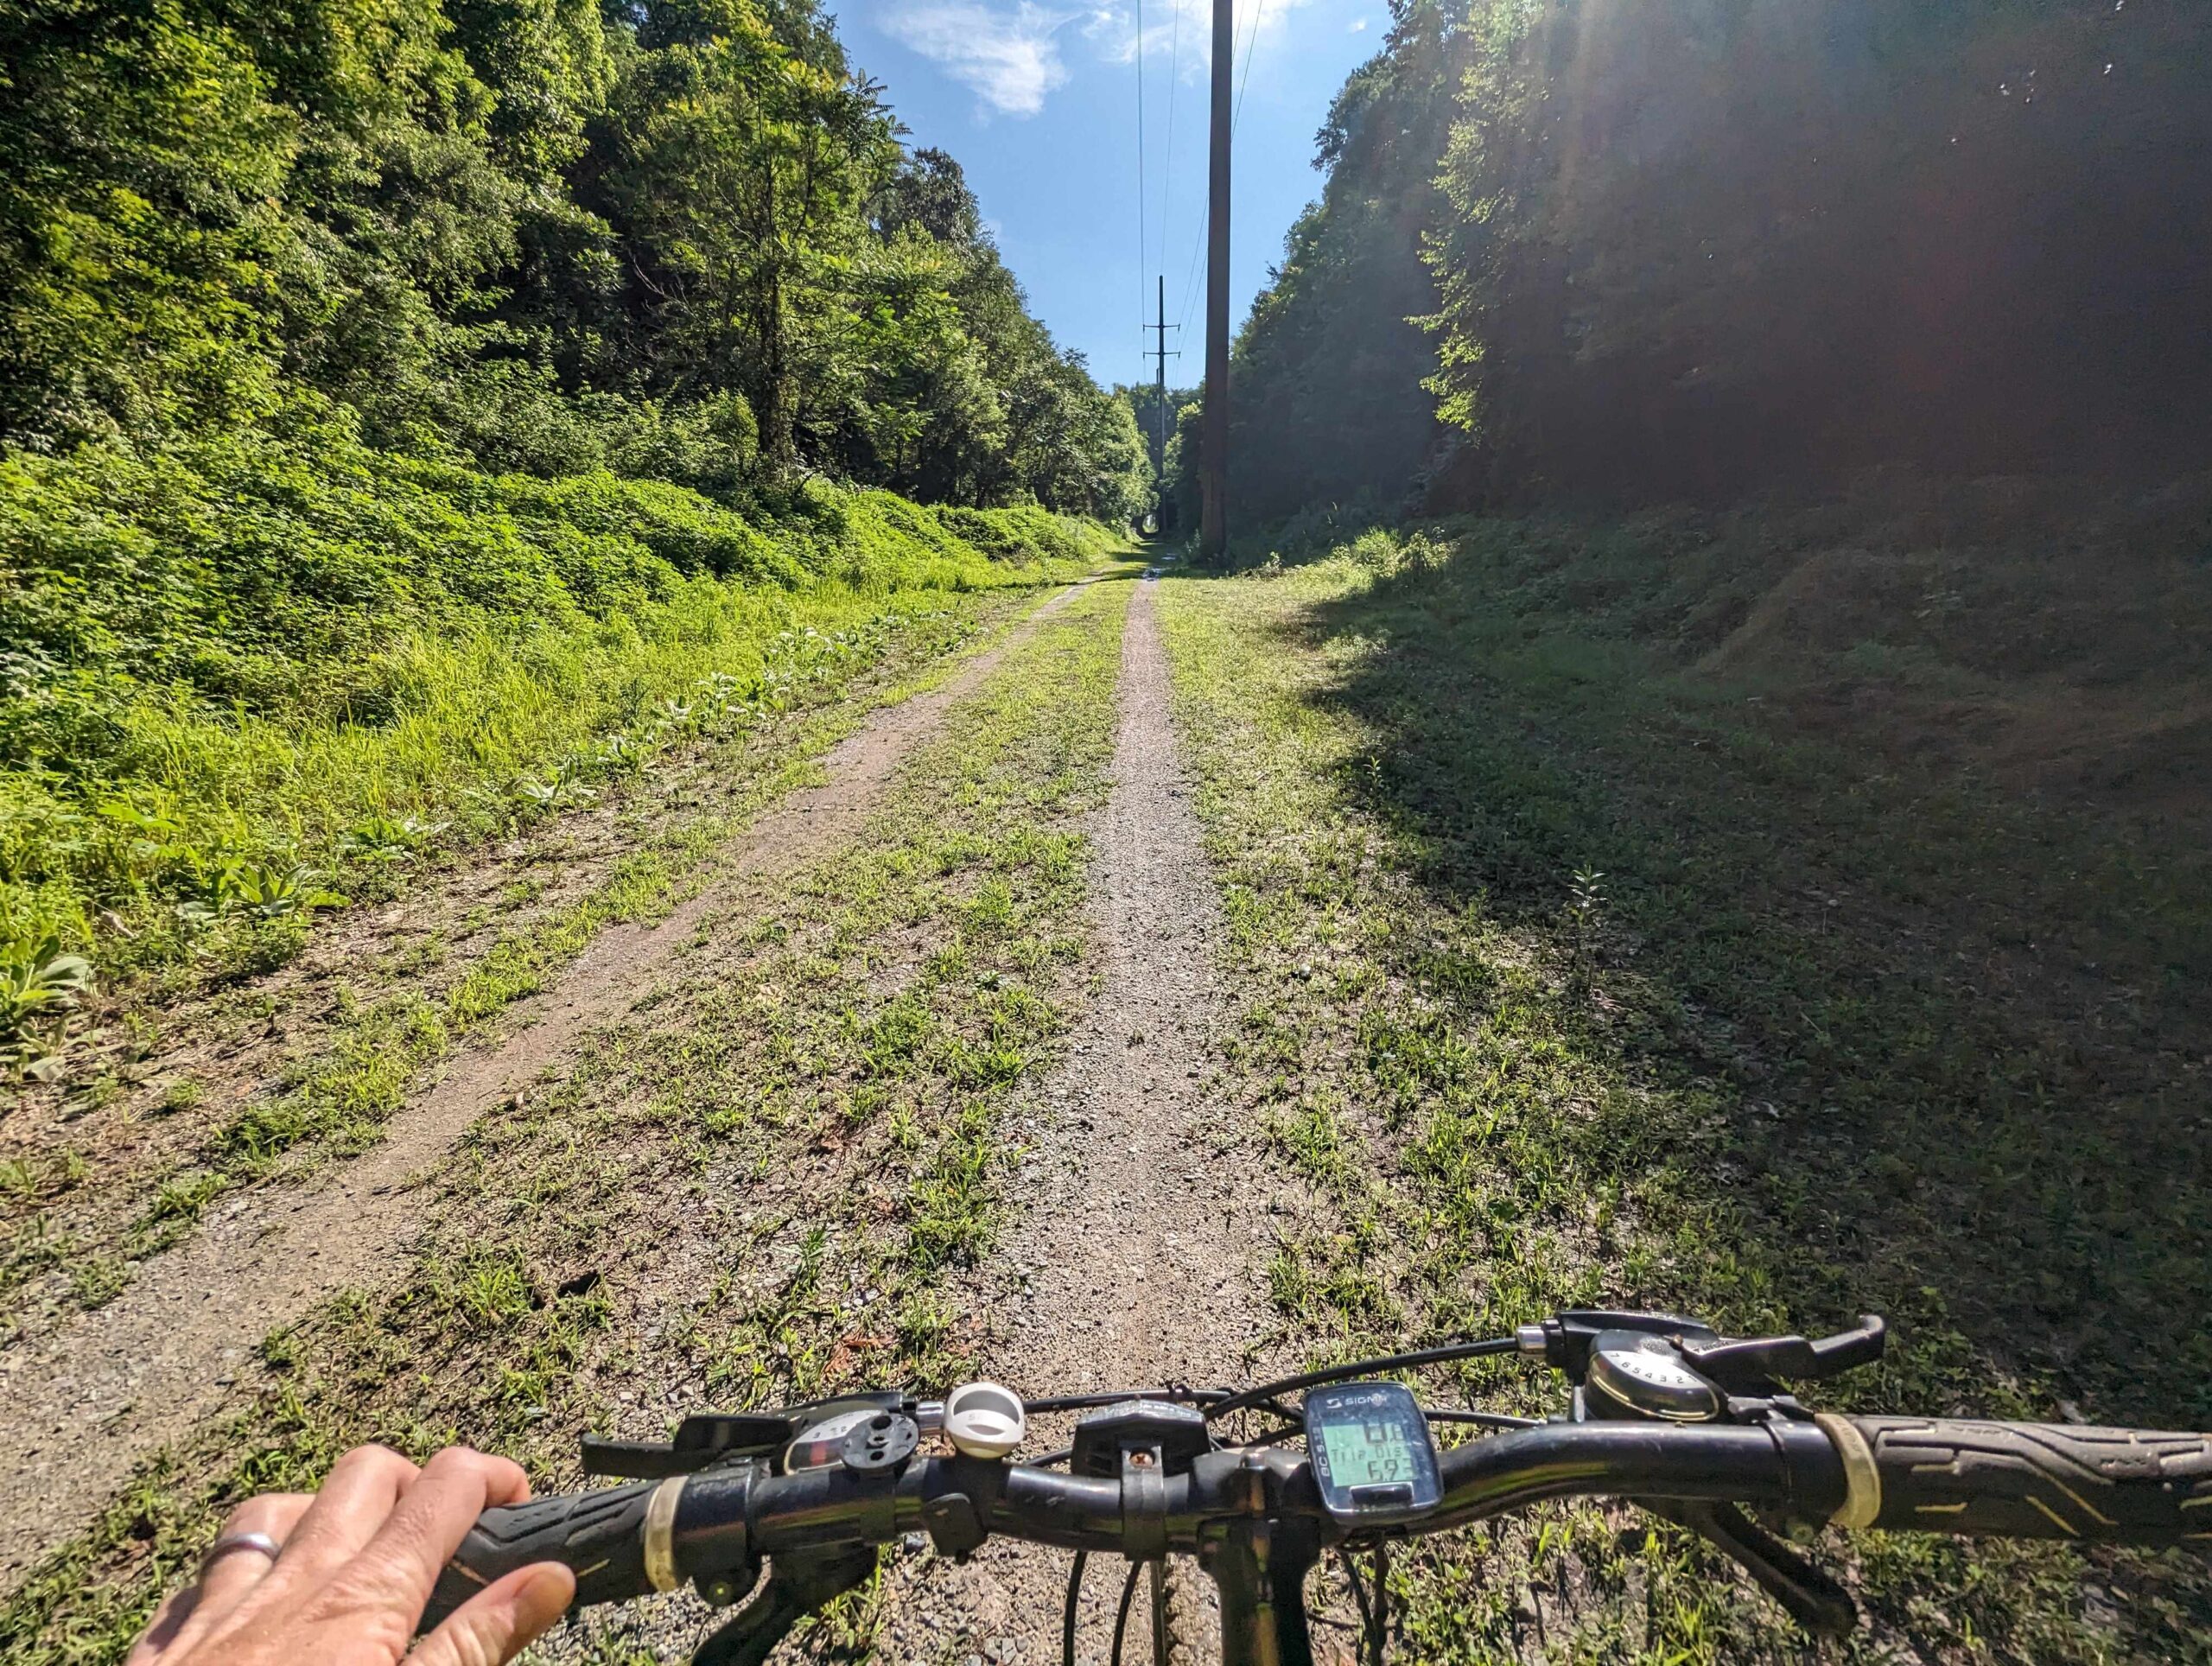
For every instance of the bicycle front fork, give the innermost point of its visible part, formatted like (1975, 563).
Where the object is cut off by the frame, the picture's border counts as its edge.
(1261, 1572)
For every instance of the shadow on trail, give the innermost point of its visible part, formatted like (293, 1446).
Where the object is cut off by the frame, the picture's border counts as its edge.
(1857, 1041)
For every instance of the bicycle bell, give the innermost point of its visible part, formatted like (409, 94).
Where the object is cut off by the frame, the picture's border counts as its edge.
(984, 1419)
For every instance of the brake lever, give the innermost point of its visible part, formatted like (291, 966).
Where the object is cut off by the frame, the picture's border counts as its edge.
(1748, 1365)
(798, 1587)
(1564, 1340)
(1811, 1597)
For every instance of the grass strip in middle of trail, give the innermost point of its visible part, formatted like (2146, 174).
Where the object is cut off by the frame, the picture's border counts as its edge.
(750, 1191)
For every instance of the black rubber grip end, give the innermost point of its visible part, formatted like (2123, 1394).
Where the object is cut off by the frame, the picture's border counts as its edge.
(599, 1535)
(2042, 1480)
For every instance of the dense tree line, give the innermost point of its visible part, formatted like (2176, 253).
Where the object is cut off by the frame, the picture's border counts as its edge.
(681, 239)
(1605, 246)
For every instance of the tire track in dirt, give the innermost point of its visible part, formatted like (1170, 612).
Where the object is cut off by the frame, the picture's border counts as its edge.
(1137, 1260)
(82, 1406)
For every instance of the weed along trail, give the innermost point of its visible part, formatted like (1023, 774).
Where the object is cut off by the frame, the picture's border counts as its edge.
(1137, 1259)
(85, 1403)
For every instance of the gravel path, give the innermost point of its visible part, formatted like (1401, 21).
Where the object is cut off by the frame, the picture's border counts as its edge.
(1138, 1257)
(82, 1406)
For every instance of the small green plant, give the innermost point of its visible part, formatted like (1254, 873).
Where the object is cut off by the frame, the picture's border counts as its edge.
(569, 778)
(186, 1200)
(98, 1280)
(274, 892)
(388, 842)
(270, 944)
(280, 1351)
(260, 891)
(39, 988)
(154, 820)
(526, 800)
(1585, 915)
(618, 753)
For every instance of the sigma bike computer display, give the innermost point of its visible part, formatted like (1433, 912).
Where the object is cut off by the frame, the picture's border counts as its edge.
(1371, 1455)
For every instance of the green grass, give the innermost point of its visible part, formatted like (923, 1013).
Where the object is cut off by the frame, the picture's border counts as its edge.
(751, 1191)
(244, 681)
(1569, 976)
(336, 1103)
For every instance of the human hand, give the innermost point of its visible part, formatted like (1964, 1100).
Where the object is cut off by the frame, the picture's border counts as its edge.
(353, 1568)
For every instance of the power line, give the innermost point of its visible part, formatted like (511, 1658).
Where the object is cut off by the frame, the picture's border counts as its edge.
(1251, 51)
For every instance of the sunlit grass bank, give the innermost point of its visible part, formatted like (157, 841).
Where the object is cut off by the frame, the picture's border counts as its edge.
(247, 676)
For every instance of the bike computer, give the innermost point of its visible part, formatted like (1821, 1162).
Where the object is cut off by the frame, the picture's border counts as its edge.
(1371, 1455)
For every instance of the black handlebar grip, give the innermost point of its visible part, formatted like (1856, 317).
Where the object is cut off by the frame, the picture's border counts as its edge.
(2037, 1480)
(601, 1536)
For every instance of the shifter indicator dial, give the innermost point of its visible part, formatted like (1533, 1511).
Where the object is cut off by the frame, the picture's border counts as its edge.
(1644, 1377)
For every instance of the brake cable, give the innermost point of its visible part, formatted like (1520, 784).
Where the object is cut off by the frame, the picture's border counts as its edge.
(1382, 1600)
(1359, 1594)
(1067, 1616)
(1491, 1420)
(1244, 1398)
(1121, 1614)
(1488, 1420)
(1175, 1394)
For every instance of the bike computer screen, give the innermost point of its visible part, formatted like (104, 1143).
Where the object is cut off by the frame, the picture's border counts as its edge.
(1371, 1451)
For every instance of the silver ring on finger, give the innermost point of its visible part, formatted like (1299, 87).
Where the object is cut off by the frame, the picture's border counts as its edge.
(260, 1543)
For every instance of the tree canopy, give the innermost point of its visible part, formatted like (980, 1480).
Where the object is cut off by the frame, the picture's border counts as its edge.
(1604, 247)
(675, 237)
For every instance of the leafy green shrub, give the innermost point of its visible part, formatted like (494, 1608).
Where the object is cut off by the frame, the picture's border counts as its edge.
(381, 841)
(237, 663)
(1027, 533)
(713, 447)
(671, 523)
(510, 417)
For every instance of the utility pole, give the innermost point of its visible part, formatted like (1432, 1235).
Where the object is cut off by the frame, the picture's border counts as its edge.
(1161, 356)
(1213, 538)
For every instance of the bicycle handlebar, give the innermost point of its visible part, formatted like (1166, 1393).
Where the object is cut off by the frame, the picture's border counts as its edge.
(2039, 1480)
(599, 1535)
(2015, 1479)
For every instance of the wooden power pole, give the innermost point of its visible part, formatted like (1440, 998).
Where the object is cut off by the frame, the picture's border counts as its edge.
(1213, 538)
(1161, 356)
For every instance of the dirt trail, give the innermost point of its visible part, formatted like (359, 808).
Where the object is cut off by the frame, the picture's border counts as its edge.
(1138, 1259)
(82, 1406)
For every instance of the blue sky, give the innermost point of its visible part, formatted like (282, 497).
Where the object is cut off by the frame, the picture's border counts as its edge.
(1039, 101)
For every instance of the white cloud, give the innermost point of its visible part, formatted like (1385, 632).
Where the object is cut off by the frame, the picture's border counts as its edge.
(1009, 56)
(1183, 27)
(1358, 26)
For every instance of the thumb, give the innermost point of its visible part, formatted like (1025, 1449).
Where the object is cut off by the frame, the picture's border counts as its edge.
(501, 1620)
